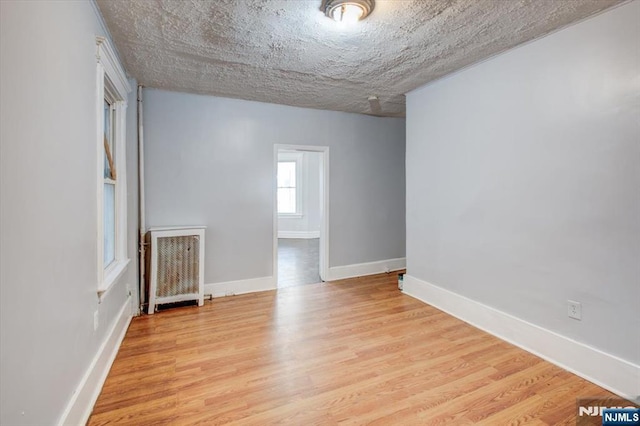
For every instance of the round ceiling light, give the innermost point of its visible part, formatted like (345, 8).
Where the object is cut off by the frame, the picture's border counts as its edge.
(348, 11)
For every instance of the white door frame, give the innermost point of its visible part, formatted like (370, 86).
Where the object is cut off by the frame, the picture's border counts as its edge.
(324, 205)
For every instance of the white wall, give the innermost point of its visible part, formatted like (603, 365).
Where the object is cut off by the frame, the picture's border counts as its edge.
(523, 177)
(48, 208)
(307, 224)
(314, 201)
(210, 161)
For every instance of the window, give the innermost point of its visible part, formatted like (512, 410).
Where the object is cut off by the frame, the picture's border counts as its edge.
(287, 189)
(112, 208)
(290, 174)
(109, 188)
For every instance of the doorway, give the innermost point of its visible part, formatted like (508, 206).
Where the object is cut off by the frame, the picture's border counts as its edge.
(301, 219)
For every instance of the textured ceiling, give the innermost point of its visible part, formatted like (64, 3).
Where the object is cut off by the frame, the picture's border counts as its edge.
(288, 52)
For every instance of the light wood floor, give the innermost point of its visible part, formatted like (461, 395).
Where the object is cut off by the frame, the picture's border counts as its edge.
(348, 352)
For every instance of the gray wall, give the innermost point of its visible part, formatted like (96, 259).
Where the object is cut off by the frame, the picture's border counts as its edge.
(210, 161)
(523, 182)
(48, 208)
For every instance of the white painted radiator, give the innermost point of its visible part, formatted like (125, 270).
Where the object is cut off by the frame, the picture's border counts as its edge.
(177, 265)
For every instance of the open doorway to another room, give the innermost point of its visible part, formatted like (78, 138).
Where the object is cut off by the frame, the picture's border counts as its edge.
(300, 206)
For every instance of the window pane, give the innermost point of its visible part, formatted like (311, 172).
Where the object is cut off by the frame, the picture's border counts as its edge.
(108, 137)
(286, 200)
(109, 223)
(286, 174)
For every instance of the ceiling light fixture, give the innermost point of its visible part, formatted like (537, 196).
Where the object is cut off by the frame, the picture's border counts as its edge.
(347, 11)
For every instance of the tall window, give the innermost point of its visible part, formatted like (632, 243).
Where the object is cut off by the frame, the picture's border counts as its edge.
(112, 202)
(287, 187)
(109, 188)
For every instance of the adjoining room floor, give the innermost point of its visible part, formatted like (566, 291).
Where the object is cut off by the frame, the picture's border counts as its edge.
(355, 351)
(298, 261)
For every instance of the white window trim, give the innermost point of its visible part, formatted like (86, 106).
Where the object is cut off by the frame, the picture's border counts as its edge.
(109, 67)
(296, 157)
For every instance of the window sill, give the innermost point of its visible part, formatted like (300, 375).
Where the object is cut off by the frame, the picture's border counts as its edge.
(290, 215)
(111, 276)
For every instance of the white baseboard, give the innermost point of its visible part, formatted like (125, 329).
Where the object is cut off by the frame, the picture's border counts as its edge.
(231, 288)
(608, 371)
(81, 404)
(299, 234)
(369, 268)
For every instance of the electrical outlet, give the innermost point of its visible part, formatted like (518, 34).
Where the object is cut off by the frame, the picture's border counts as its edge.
(574, 309)
(96, 320)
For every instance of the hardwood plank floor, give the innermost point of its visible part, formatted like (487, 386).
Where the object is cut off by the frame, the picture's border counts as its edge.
(347, 352)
